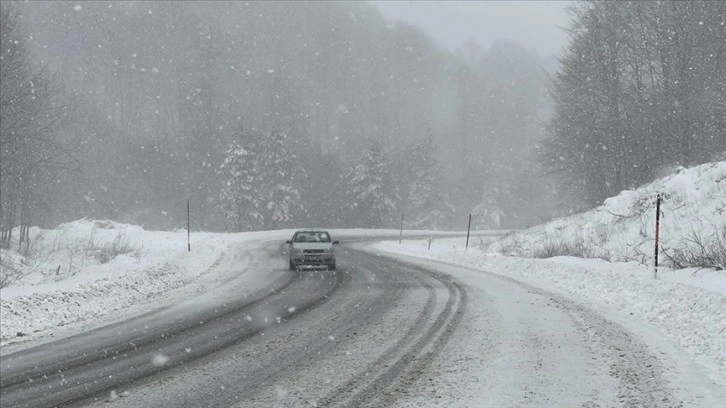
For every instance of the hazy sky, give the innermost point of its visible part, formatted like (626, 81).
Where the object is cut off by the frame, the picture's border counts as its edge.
(530, 23)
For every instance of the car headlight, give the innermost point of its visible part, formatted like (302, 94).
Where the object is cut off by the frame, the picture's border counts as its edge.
(298, 251)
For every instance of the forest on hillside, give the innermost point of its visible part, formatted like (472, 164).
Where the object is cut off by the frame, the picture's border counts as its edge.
(280, 114)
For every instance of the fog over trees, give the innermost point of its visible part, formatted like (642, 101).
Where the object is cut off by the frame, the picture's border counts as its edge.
(329, 114)
(642, 86)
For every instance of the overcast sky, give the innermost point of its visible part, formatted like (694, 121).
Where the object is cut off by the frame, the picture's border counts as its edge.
(534, 24)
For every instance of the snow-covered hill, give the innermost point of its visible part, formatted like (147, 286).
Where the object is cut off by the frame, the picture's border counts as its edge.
(692, 227)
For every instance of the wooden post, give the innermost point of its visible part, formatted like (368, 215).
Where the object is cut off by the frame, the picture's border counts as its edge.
(657, 233)
(468, 228)
(189, 233)
(22, 235)
(400, 236)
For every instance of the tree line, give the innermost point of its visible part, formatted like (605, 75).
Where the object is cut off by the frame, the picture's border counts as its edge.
(126, 110)
(642, 88)
(31, 154)
(157, 92)
(268, 175)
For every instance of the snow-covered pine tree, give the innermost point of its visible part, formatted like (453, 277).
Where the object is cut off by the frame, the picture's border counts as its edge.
(282, 177)
(425, 205)
(323, 189)
(240, 174)
(488, 213)
(371, 193)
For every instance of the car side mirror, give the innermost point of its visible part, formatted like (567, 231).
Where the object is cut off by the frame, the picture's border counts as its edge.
(336, 242)
(288, 242)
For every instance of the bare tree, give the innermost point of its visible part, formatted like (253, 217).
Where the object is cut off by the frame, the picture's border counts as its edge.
(641, 87)
(30, 117)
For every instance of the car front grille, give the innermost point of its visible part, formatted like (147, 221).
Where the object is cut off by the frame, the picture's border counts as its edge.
(313, 251)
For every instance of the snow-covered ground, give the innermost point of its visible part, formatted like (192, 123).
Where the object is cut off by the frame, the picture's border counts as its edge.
(623, 228)
(89, 273)
(78, 278)
(681, 311)
(681, 315)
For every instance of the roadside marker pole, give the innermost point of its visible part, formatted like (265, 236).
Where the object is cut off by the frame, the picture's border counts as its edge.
(400, 236)
(189, 241)
(468, 228)
(657, 233)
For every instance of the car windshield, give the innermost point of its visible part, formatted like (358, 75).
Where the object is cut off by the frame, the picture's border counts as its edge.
(312, 236)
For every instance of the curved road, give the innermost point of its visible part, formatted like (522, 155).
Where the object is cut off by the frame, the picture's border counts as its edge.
(376, 332)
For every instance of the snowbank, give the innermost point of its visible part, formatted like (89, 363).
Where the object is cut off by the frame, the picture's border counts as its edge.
(623, 228)
(92, 271)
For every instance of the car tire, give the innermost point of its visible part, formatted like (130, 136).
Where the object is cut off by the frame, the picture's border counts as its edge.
(331, 266)
(292, 266)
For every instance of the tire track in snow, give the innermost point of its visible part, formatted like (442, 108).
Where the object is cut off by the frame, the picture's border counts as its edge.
(640, 373)
(97, 370)
(382, 380)
(282, 352)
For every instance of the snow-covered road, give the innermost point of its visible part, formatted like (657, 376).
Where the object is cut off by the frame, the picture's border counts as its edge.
(379, 331)
(520, 346)
(677, 321)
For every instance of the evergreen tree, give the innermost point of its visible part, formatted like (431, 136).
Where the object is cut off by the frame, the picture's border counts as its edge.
(283, 174)
(371, 189)
(261, 177)
(424, 203)
(241, 176)
(488, 213)
(324, 190)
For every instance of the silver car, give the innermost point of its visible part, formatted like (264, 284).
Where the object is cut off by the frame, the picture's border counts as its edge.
(311, 248)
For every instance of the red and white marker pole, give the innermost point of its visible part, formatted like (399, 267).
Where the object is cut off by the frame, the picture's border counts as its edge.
(657, 232)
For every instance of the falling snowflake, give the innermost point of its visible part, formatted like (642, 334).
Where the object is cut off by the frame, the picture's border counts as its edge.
(280, 392)
(159, 360)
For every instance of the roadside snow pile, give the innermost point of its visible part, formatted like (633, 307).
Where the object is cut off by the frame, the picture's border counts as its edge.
(693, 224)
(54, 255)
(90, 268)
